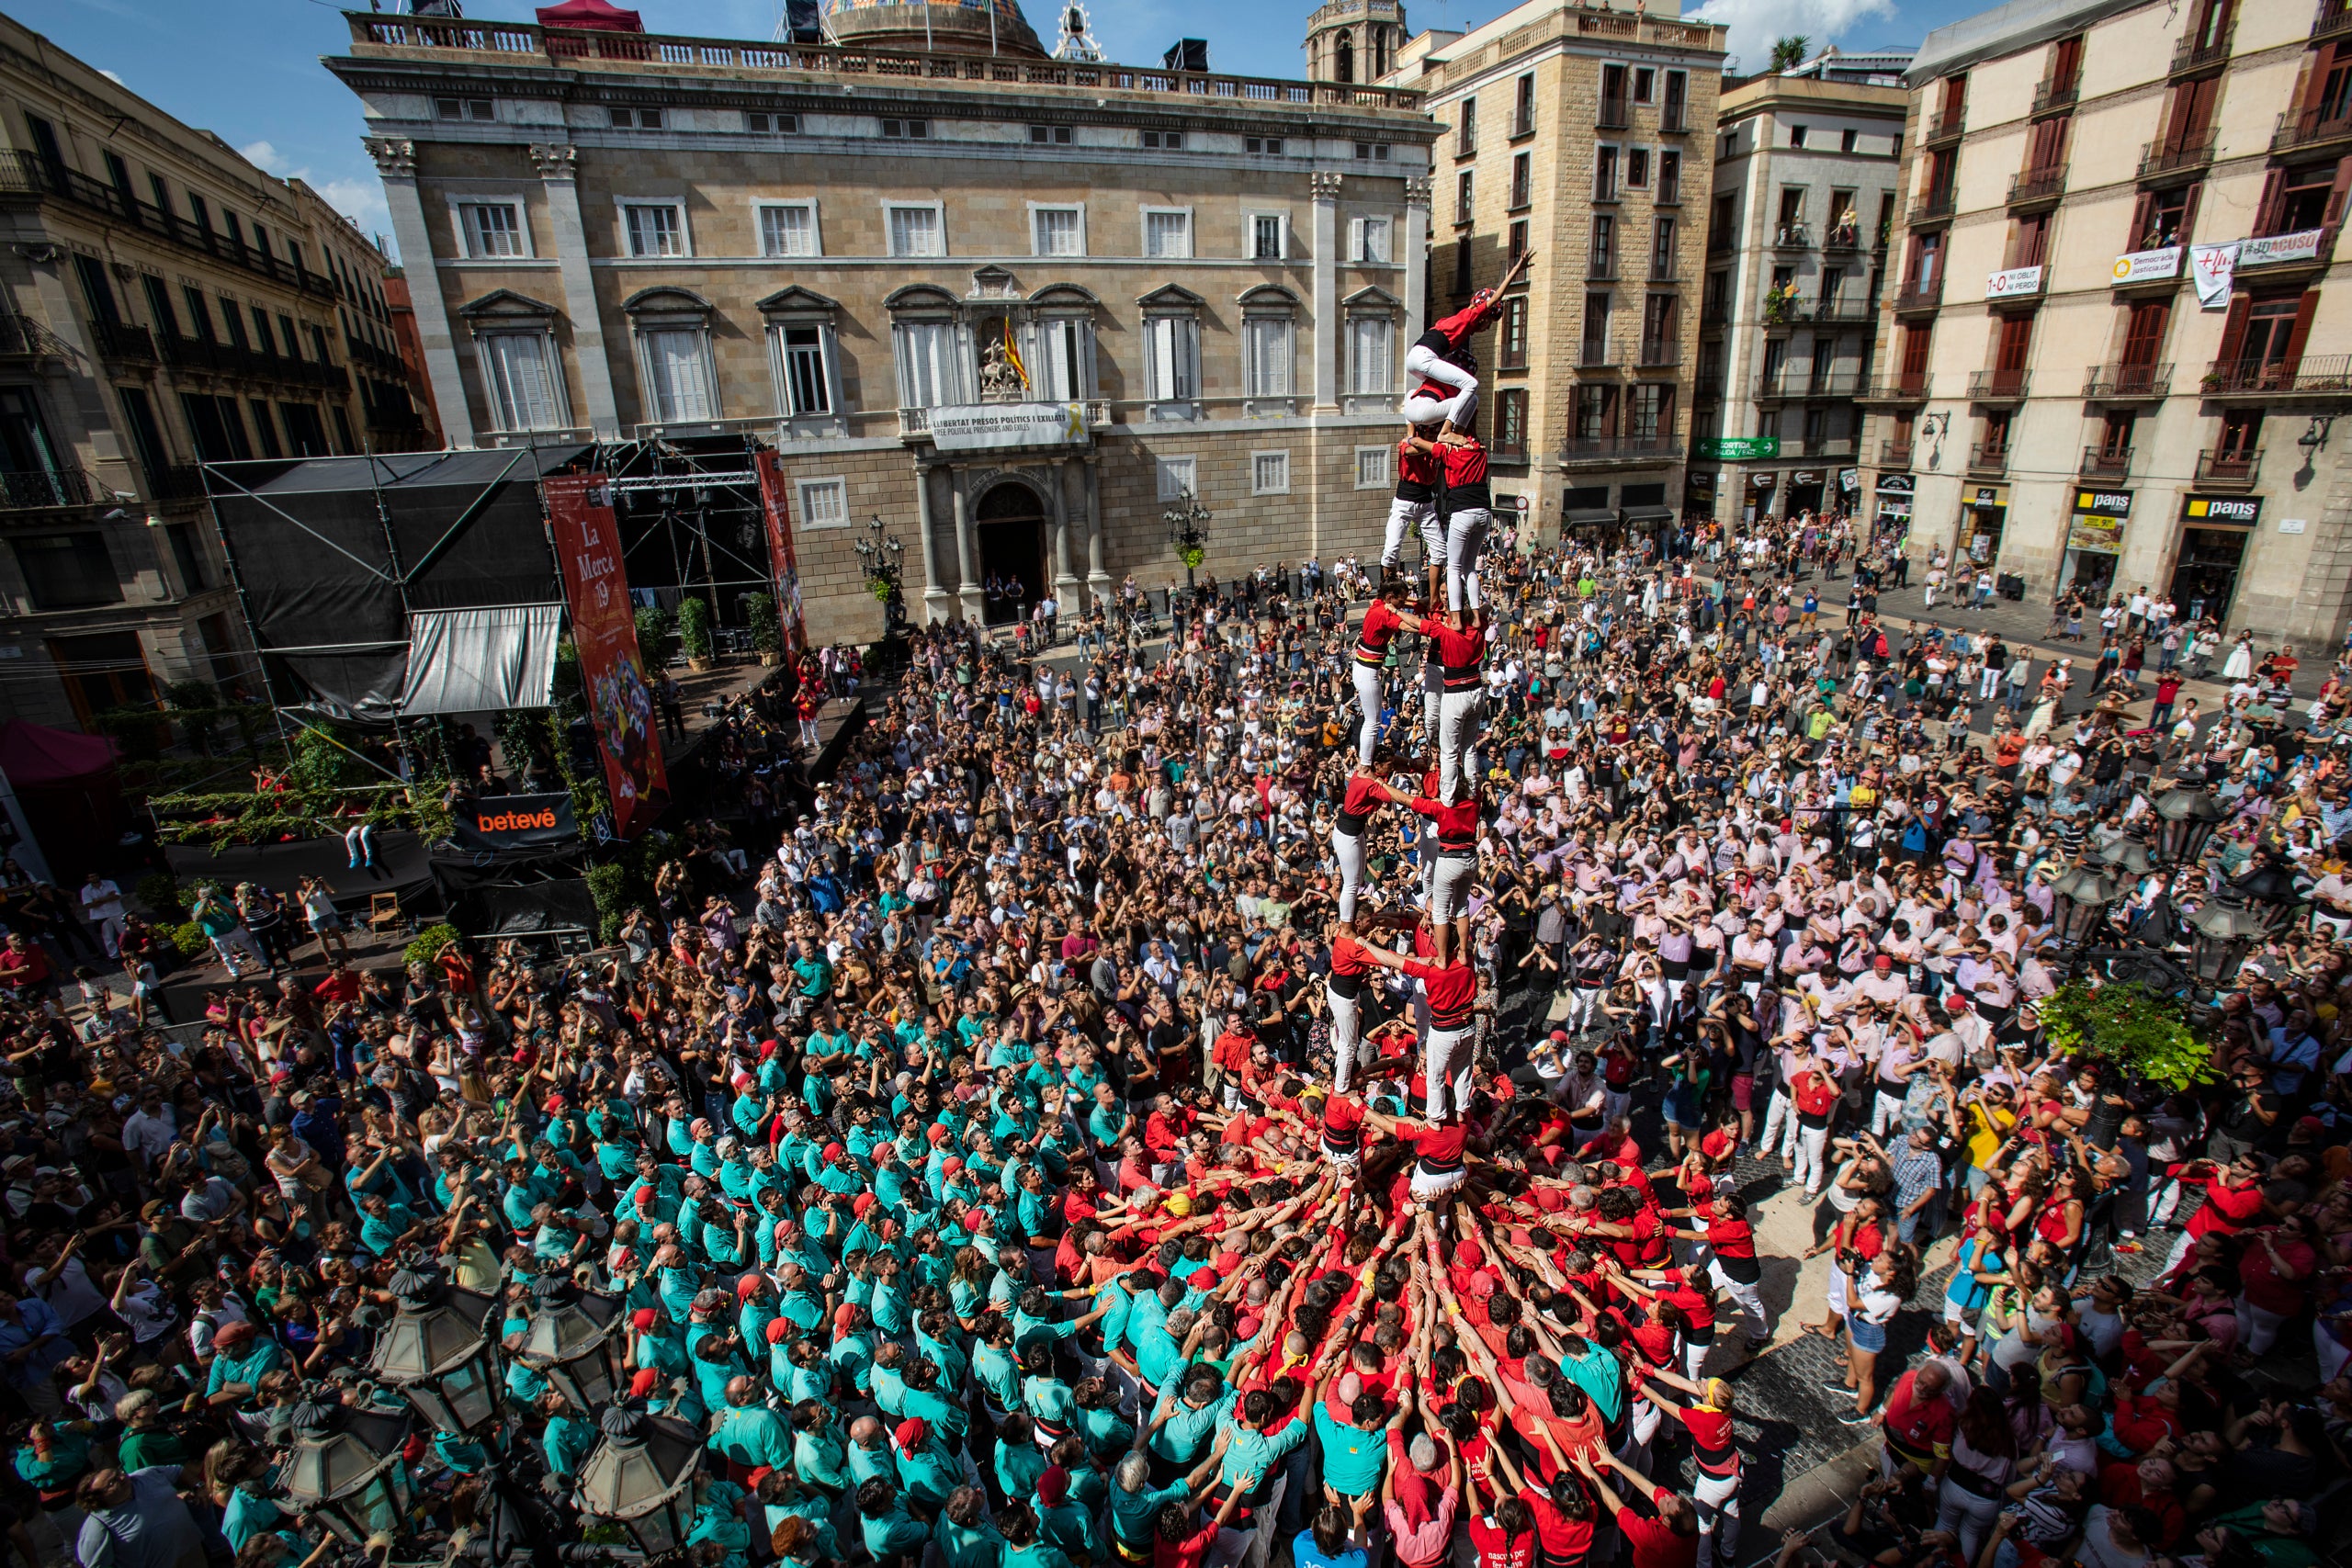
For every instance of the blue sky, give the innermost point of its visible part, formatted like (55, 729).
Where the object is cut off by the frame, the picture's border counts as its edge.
(249, 69)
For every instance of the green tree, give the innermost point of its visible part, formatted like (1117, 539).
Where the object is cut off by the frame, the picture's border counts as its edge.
(2129, 1028)
(1789, 52)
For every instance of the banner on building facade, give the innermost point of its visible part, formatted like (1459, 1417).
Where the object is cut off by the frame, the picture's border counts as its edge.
(972, 427)
(2099, 521)
(2269, 250)
(2213, 266)
(2148, 266)
(776, 509)
(514, 821)
(604, 630)
(2016, 281)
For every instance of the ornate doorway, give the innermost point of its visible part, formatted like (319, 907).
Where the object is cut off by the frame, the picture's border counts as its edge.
(1010, 523)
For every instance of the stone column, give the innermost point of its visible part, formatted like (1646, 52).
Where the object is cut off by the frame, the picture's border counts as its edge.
(1098, 579)
(968, 587)
(1324, 187)
(934, 597)
(559, 173)
(1416, 263)
(396, 162)
(1065, 581)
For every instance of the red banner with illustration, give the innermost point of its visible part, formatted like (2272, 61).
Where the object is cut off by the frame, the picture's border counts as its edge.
(777, 509)
(603, 629)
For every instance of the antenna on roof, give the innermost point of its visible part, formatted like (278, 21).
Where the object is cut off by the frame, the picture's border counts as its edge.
(1077, 42)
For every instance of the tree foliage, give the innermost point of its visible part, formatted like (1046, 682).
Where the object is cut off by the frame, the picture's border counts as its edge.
(1789, 52)
(2129, 1028)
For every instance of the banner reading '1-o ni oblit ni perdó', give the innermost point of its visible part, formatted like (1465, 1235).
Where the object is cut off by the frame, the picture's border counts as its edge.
(603, 629)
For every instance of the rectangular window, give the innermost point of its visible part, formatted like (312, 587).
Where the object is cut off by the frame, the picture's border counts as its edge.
(1376, 468)
(1517, 244)
(1270, 473)
(68, 571)
(1462, 196)
(1651, 411)
(1796, 135)
(1645, 85)
(1465, 129)
(800, 361)
(1266, 236)
(1371, 350)
(911, 129)
(1164, 140)
(1604, 173)
(1168, 236)
(1049, 135)
(779, 124)
(234, 323)
(1669, 177)
(200, 312)
(1268, 146)
(1059, 231)
(1179, 477)
(266, 428)
(520, 372)
(1171, 359)
(1522, 116)
(824, 503)
(930, 368)
(1510, 422)
(218, 426)
(1674, 115)
(492, 229)
(186, 556)
(1637, 168)
(655, 230)
(1062, 367)
(1511, 338)
(292, 341)
(306, 435)
(643, 119)
(1462, 268)
(788, 229)
(914, 232)
(1522, 179)
(1266, 356)
(465, 108)
(1371, 239)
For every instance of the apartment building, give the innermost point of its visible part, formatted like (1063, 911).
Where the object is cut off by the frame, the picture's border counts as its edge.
(1586, 135)
(163, 301)
(1016, 306)
(1808, 166)
(2118, 334)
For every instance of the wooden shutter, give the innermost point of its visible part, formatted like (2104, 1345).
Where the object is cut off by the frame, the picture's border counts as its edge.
(2188, 212)
(2336, 192)
(2304, 309)
(2017, 342)
(2144, 330)
(2265, 209)
(2233, 330)
(1915, 342)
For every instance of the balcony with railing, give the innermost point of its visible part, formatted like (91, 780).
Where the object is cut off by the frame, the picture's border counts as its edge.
(1708, 388)
(1792, 237)
(1658, 354)
(1662, 269)
(1894, 454)
(2229, 469)
(1920, 297)
(178, 481)
(2030, 186)
(123, 340)
(2193, 54)
(23, 337)
(1801, 382)
(1844, 307)
(1599, 354)
(1601, 266)
(1674, 119)
(1605, 449)
(2052, 96)
(1903, 387)
(1828, 447)
(2106, 463)
(2313, 375)
(2334, 18)
(28, 174)
(1615, 114)
(2312, 129)
(1988, 457)
(2127, 383)
(1843, 237)
(250, 364)
(1715, 314)
(1997, 386)
(2169, 160)
(1942, 127)
(1935, 205)
(47, 490)
(1669, 191)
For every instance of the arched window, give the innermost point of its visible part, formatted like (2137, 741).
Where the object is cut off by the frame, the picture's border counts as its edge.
(1344, 69)
(680, 383)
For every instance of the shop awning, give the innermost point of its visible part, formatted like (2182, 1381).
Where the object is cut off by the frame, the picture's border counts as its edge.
(1589, 516)
(477, 660)
(1649, 514)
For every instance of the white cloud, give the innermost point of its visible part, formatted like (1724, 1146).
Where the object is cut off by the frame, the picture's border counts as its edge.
(264, 154)
(361, 200)
(113, 76)
(1756, 23)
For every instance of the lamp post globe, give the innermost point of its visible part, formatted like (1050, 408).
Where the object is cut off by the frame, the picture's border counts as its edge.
(573, 1340)
(642, 1475)
(343, 1465)
(438, 1353)
(2079, 900)
(2189, 813)
(2222, 934)
(2270, 888)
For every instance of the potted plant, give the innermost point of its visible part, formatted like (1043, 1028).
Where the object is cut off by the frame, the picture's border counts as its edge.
(694, 632)
(657, 636)
(767, 632)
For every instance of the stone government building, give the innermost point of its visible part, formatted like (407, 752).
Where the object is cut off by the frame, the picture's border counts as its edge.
(848, 248)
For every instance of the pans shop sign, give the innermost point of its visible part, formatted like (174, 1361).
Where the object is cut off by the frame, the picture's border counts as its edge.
(2099, 520)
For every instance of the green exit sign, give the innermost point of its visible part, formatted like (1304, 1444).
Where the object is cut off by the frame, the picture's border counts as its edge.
(1740, 448)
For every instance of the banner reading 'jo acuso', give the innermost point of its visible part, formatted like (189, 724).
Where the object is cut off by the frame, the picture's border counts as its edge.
(603, 629)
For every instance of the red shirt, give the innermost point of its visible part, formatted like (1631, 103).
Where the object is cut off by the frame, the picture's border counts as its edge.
(1564, 1538)
(1453, 991)
(1653, 1540)
(1342, 1123)
(342, 986)
(1460, 652)
(1495, 1549)
(1465, 465)
(1457, 825)
(1359, 802)
(1381, 623)
(1348, 956)
(1414, 466)
(1921, 1423)
(2226, 1208)
(1442, 1146)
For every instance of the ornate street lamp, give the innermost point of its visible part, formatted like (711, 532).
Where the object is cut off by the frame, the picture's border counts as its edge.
(2127, 855)
(343, 1466)
(882, 558)
(440, 1354)
(2270, 888)
(641, 1473)
(2079, 900)
(2190, 815)
(574, 1342)
(1188, 530)
(2224, 931)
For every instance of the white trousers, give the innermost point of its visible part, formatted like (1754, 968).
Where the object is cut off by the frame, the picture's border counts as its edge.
(1448, 1065)
(1348, 849)
(1813, 1164)
(1449, 887)
(1422, 364)
(1404, 516)
(1370, 682)
(1347, 1032)
(1748, 1295)
(1432, 689)
(1466, 541)
(1459, 715)
(1780, 1122)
